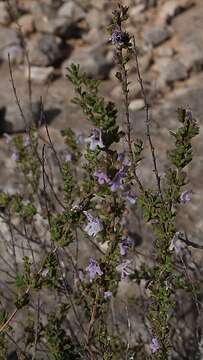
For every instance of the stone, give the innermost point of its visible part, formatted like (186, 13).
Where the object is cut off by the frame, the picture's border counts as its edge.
(60, 26)
(135, 11)
(165, 51)
(26, 23)
(40, 74)
(134, 91)
(12, 121)
(8, 37)
(192, 56)
(171, 9)
(93, 61)
(156, 36)
(15, 52)
(4, 14)
(45, 50)
(10, 44)
(72, 11)
(136, 105)
(96, 19)
(170, 70)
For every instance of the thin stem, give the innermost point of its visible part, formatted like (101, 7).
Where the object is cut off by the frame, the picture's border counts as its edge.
(147, 120)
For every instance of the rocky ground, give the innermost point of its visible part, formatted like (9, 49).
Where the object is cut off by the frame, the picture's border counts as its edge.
(169, 35)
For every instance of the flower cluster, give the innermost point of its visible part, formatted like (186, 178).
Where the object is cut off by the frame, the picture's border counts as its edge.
(93, 269)
(94, 225)
(120, 38)
(95, 139)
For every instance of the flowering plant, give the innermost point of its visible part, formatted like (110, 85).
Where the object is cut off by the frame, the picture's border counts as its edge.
(78, 248)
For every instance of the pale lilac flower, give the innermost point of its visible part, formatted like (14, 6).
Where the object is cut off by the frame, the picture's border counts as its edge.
(130, 197)
(177, 244)
(101, 176)
(119, 37)
(185, 196)
(123, 248)
(93, 269)
(45, 272)
(123, 159)
(154, 345)
(95, 139)
(116, 183)
(94, 225)
(68, 157)
(123, 269)
(26, 141)
(8, 138)
(189, 115)
(80, 275)
(107, 294)
(15, 155)
(124, 245)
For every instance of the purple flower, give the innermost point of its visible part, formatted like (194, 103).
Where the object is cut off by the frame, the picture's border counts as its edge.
(177, 244)
(130, 197)
(15, 155)
(45, 272)
(68, 157)
(119, 37)
(93, 269)
(95, 139)
(116, 183)
(124, 245)
(107, 294)
(185, 196)
(123, 248)
(123, 269)
(123, 159)
(26, 141)
(8, 138)
(80, 275)
(154, 345)
(94, 225)
(102, 177)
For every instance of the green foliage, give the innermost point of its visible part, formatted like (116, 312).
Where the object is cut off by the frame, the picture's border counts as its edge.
(100, 114)
(60, 344)
(137, 150)
(3, 338)
(181, 155)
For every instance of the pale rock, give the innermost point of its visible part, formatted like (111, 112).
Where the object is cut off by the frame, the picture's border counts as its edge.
(45, 50)
(136, 105)
(15, 54)
(40, 74)
(157, 35)
(12, 121)
(26, 23)
(96, 19)
(191, 54)
(60, 26)
(8, 37)
(164, 51)
(171, 9)
(134, 91)
(4, 14)
(93, 61)
(9, 44)
(170, 70)
(135, 11)
(71, 10)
